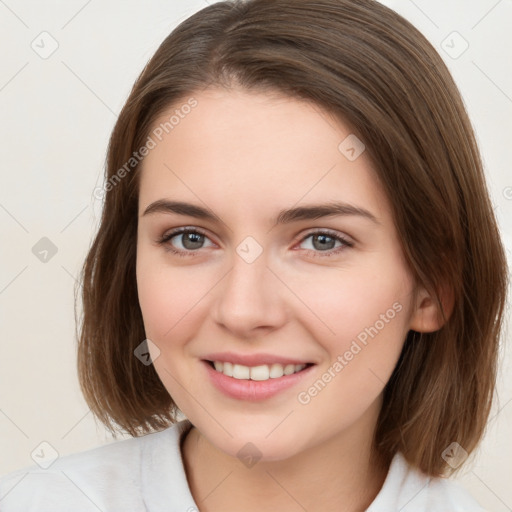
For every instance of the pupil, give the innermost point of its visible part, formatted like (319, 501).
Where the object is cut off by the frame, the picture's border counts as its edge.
(192, 240)
(322, 238)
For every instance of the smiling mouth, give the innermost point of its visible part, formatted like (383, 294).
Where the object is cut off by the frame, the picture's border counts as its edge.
(259, 373)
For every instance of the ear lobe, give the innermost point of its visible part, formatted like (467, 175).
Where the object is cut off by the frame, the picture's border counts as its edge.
(427, 315)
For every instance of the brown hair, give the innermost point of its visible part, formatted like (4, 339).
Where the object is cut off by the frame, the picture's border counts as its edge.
(373, 69)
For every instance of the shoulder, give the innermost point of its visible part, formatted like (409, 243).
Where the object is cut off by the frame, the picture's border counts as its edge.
(447, 492)
(409, 490)
(109, 477)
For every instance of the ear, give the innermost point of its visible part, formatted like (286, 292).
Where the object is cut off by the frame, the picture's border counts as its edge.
(427, 315)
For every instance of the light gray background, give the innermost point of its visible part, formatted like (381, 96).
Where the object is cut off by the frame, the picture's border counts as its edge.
(56, 116)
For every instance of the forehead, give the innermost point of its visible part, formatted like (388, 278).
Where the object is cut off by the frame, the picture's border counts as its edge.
(256, 151)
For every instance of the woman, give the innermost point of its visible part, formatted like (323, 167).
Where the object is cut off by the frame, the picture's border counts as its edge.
(297, 252)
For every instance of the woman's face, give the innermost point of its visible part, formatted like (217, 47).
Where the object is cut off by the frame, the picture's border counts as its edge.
(265, 280)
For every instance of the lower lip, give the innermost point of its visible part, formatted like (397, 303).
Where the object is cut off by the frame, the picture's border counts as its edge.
(253, 390)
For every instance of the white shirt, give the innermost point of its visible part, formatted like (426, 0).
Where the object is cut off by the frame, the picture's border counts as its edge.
(146, 474)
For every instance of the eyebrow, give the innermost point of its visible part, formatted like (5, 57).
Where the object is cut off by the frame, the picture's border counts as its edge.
(310, 212)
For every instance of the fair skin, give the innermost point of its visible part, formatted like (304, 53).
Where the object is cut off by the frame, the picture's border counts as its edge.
(246, 156)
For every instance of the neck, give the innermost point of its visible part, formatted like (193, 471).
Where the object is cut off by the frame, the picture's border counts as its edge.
(314, 479)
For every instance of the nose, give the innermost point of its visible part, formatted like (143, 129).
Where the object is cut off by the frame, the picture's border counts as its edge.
(250, 299)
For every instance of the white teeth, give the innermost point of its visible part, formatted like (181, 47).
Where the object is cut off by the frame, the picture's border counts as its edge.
(276, 371)
(227, 369)
(289, 369)
(241, 372)
(262, 372)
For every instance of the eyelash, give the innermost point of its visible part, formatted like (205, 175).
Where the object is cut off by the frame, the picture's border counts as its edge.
(321, 254)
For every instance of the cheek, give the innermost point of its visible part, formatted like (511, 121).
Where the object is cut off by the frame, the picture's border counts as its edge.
(171, 298)
(168, 299)
(157, 292)
(157, 299)
(344, 304)
(364, 321)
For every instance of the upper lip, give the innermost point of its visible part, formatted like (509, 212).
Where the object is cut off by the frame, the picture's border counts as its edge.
(253, 359)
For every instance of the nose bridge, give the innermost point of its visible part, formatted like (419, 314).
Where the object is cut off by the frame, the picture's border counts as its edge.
(247, 283)
(249, 297)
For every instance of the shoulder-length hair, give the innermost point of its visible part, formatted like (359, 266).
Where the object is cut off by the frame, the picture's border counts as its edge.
(373, 69)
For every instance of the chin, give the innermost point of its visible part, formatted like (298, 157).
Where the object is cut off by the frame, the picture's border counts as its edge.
(261, 441)
(252, 450)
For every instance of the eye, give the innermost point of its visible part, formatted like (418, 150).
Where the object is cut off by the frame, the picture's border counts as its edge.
(323, 243)
(190, 240)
